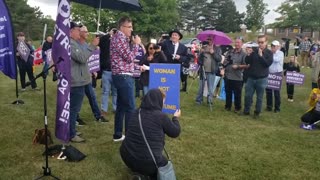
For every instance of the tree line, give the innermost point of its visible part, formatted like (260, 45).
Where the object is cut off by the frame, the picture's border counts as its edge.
(159, 16)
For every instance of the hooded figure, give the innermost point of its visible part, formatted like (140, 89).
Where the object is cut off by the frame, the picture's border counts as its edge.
(155, 124)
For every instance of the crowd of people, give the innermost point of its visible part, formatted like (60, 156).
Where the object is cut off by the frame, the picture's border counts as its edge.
(122, 55)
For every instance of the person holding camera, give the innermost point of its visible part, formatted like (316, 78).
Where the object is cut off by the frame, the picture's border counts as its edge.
(258, 61)
(177, 53)
(153, 55)
(209, 60)
(234, 65)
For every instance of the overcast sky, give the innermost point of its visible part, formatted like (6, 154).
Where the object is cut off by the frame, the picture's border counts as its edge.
(49, 7)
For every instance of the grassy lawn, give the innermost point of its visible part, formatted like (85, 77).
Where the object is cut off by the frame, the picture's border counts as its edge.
(212, 145)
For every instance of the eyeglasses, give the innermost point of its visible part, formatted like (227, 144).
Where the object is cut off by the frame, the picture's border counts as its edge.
(130, 27)
(261, 42)
(151, 48)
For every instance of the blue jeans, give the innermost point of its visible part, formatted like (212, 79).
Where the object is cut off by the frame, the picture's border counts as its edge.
(91, 95)
(108, 84)
(145, 90)
(76, 98)
(210, 83)
(125, 102)
(252, 85)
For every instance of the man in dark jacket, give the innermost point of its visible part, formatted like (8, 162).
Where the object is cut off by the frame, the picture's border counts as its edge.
(258, 61)
(177, 53)
(156, 125)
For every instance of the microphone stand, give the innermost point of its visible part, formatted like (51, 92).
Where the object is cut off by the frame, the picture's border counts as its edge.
(43, 74)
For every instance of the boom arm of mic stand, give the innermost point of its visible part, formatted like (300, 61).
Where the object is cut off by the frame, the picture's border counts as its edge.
(44, 72)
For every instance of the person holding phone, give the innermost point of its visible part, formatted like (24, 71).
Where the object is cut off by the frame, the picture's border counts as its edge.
(258, 61)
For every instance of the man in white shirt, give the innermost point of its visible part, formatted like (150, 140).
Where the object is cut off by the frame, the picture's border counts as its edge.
(276, 67)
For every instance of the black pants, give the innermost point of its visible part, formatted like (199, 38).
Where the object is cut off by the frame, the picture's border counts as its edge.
(290, 90)
(184, 79)
(26, 68)
(277, 100)
(311, 117)
(233, 87)
(144, 167)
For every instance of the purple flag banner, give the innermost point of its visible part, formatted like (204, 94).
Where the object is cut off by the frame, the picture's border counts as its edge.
(94, 61)
(274, 81)
(61, 55)
(7, 49)
(293, 77)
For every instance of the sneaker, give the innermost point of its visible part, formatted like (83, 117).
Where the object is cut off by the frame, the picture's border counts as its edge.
(78, 133)
(269, 109)
(77, 139)
(302, 66)
(276, 111)
(227, 109)
(198, 103)
(102, 120)
(23, 89)
(291, 100)
(119, 139)
(80, 122)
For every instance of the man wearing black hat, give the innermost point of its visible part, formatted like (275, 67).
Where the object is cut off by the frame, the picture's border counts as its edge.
(177, 53)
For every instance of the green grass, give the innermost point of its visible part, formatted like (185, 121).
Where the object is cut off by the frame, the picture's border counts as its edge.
(212, 145)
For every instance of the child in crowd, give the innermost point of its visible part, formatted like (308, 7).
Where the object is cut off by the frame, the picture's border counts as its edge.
(313, 114)
(292, 65)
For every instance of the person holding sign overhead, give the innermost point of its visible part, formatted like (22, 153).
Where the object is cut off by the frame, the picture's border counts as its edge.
(177, 53)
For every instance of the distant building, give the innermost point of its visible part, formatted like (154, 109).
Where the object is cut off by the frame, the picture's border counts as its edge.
(292, 32)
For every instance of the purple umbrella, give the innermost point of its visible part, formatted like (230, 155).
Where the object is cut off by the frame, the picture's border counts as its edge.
(219, 38)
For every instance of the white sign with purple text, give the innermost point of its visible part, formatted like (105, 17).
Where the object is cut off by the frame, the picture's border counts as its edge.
(293, 77)
(94, 61)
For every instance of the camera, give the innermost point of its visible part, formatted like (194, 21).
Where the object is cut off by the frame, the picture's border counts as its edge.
(156, 47)
(228, 60)
(114, 31)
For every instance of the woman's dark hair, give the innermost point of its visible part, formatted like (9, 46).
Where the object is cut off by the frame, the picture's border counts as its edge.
(147, 47)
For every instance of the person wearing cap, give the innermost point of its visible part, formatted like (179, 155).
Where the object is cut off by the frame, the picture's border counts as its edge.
(258, 61)
(123, 55)
(177, 53)
(89, 91)
(25, 61)
(80, 76)
(276, 67)
(234, 65)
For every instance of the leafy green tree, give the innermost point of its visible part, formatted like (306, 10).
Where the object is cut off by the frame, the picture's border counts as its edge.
(27, 19)
(229, 19)
(302, 13)
(89, 17)
(256, 10)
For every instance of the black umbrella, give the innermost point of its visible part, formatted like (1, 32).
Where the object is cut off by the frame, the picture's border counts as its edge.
(120, 5)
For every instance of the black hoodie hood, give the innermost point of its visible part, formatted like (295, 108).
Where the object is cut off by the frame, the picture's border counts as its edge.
(152, 100)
